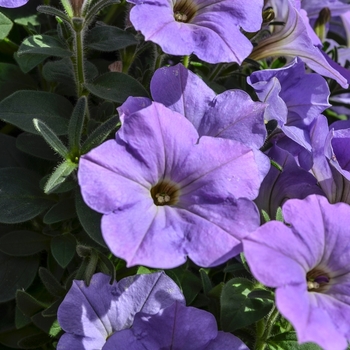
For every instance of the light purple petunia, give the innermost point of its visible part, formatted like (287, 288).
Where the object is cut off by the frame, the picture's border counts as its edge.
(175, 327)
(166, 195)
(91, 314)
(292, 40)
(294, 99)
(210, 29)
(12, 3)
(231, 114)
(307, 261)
(331, 159)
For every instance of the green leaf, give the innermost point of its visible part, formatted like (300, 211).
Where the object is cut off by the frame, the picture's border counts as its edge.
(261, 294)
(13, 79)
(43, 45)
(30, 243)
(22, 107)
(51, 284)
(28, 62)
(288, 341)
(21, 198)
(12, 337)
(237, 309)
(16, 273)
(279, 215)
(116, 87)
(52, 309)
(234, 268)
(34, 341)
(43, 323)
(51, 138)
(36, 146)
(59, 175)
(206, 282)
(99, 134)
(91, 12)
(63, 210)
(89, 219)
(53, 11)
(63, 249)
(21, 320)
(10, 156)
(55, 329)
(76, 124)
(5, 26)
(265, 215)
(28, 304)
(108, 38)
(189, 283)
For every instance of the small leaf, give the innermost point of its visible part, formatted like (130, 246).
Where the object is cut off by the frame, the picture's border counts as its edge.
(22, 107)
(53, 11)
(55, 329)
(99, 134)
(59, 175)
(5, 26)
(16, 273)
(28, 304)
(206, 282)
(63, 249)
(89, 219)
(50, 282)
(51, 138)
(276, 165)
(76, 124)
(279, 215)
(288, 341)
(21, 198)
(23, 243)
(116, 87)
(237, 309)
(63, 210)
(265, 215)
(108, 38)
(28, 62)
(261, 294)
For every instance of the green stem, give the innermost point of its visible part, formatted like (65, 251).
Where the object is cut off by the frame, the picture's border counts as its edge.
(186, 61)
(262, 338)
(216, 71)
(79, 63)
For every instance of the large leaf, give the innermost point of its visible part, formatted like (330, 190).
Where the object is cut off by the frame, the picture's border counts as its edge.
(116, 87)
(61, 211)
(237, 309)
(16, 273)
(22, 107)
(108, 38)
(43, 45)
(13, 79)
(21, 197)
(30, 243)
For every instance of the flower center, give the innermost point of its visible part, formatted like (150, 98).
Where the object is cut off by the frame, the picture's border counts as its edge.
(317, 280)
(165, 192)
(184, 10)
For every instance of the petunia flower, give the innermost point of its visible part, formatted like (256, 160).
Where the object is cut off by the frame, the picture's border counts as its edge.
(210, 29)
(175, 327)
(307, 261)
(280, 185)
(91, 314)
(290, 100)
(292, 40)
(231, 114)
(12, 3)
(166, 195)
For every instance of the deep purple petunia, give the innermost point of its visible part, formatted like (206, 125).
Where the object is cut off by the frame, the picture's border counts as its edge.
(307, 261)
(91, 314)
(12, 3)
(208, 28)
(166, 195)
(231, 114)
(175, 327)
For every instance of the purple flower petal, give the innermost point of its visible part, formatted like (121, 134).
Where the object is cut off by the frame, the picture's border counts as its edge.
(175, 327)
(90, 314)
(12, 3)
